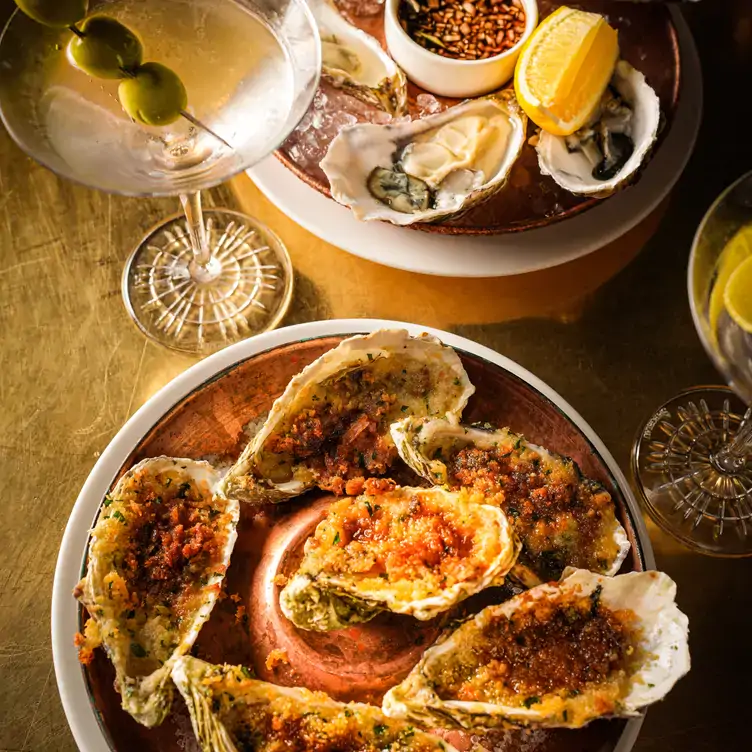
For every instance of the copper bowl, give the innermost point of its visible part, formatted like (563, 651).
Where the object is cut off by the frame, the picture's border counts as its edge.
(202, 414)
(648, 40)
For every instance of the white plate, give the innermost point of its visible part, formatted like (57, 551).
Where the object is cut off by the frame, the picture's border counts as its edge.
(500, 255)
(70, 677)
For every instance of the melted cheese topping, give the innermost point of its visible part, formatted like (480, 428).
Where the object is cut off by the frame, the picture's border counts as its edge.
(412, 545)
(158, 548)
(312, 723)
(567, 651)
(339, 429)
(561, 518)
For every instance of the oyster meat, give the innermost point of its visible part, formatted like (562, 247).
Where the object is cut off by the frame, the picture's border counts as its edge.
(562, 518)
(330, 427)
(427, 169)
(561, 654)
(605, 154)
(157, 557)
(415, 551)
(356, 63)
(232, 712)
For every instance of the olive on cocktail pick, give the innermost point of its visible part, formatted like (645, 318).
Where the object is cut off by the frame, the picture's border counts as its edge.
(154, 95)
(104, 48)
(58, 13)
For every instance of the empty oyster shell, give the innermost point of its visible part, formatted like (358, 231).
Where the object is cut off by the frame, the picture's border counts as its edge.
(562, 518)
(606, 154)
(157, 557)
(231, 712)
(416, 551)
(356, 63)
(427, 169)
(330, 427)
(561, 654)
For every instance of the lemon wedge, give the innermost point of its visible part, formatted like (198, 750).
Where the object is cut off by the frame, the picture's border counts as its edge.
(564, 69)
(737, 250)
(738, 295)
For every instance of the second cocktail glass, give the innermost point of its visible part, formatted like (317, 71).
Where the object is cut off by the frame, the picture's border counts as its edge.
(201, 280)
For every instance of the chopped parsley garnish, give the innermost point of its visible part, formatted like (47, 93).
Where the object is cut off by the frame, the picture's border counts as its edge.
(404, 408)
(183, 490)
(168, 483)
(457, 382)
(379, 729)
(513, 512)
(518, 443)
(119, 516)
(336, 538)
(213, 513)
(370, 357)
(369, 508)
(246, 672)
(158, 500)
(138, 651)
(530, 701)
(107, 500)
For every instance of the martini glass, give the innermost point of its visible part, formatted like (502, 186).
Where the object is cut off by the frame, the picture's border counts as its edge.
(692, 460)
(200, 280)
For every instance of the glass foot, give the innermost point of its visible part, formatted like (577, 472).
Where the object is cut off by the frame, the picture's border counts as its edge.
(689, 485)
(245, 289)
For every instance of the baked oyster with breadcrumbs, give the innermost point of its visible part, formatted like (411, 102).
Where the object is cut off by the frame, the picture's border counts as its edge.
(232, 712)
(561, 654)
(415, 551)
(157, 558)
(561, 517)
(330, 427)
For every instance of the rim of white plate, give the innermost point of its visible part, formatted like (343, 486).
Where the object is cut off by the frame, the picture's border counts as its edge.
(506, 254)
(74, 694)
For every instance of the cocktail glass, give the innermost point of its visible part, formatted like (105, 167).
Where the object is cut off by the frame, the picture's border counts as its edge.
(692, 460)
(200, 280)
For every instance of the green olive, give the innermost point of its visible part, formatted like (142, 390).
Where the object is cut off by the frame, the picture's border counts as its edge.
(155, 95)
(106, 49)
(59, 13)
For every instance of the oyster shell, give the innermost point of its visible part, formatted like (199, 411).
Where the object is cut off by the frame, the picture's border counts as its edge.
(157, 557)
(561, 654)
(356, 63)
(605, 154)
(230, 712)
(330, 427)
(562, 518)
(416, 551)
(427, 169)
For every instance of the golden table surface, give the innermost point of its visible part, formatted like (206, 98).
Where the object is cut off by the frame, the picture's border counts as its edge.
(613, 341)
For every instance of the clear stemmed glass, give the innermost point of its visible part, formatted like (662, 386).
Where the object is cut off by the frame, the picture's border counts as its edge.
(200, 280)
(692, 460)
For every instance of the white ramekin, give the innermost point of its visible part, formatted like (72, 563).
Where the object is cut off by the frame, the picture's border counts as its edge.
(448, 77)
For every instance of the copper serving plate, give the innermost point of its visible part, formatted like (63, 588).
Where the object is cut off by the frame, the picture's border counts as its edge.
(362, 662)
(648, 41)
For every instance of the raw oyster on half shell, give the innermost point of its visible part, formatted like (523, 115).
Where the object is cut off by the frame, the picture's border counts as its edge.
(330, 427)
(415, 551)
(157, 557)
(561, 654)
(427, 169)
(232, 712)
(562, 518)
(356, 63)
(606, 154)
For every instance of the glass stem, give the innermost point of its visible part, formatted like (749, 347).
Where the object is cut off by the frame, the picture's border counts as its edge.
(733, 457)
(196, 228)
